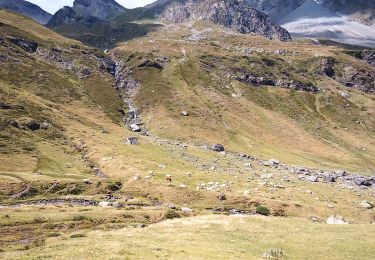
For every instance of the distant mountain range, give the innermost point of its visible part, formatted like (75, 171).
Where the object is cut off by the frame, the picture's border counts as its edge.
(28, 9)
(103, 23)
(344, 21)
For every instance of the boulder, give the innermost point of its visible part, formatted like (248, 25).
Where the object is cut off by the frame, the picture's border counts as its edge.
(108, 65)
(85, 72)
(33, 125)
(5, 106)
(217, 148)
(87, 181)
(27, 45)
(326, 67)
(222, 196)
(336, 220)
(132, 140)
(104, 204)
(366, 205)
(329, 178)
(13, 123)
(185, 113)
(274, 162)
(312, 178)
(135, 128)
(360, 181)
(188, 210)
(45, 126)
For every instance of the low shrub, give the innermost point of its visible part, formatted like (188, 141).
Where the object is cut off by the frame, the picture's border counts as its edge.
(77, 235)
(171, 214)
(79, 218)
(262, 210)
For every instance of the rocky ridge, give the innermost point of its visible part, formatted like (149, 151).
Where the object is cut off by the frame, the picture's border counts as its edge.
(28, 9)
(237, 15)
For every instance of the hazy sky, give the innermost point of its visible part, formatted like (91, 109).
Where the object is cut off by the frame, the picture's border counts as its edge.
(53, 5)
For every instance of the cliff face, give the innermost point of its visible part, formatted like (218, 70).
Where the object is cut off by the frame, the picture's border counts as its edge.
(235, 14)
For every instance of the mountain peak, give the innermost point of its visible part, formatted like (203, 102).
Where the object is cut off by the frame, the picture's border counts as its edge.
(28, 9)
(98, 8)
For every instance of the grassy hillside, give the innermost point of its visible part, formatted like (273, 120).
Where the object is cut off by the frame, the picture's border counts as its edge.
(299, 127)
(71, 185)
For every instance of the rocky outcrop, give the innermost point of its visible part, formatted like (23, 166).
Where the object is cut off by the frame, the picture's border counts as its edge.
(357, 78)
(28, 9)
(326, 67)
(365, 55)
(27, 45)
(235, 14)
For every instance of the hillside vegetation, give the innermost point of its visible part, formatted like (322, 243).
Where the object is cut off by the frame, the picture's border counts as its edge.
(192, 122)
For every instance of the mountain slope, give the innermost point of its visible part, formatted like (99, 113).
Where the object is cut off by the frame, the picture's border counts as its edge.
(128, 24)
(182, 123)
(23, 7)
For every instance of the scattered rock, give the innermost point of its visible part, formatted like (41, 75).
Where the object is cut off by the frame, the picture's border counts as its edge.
(185, 113)
(222, 196)
(108, 65)
(344, 94)
(45, 126)
(188, 210)
(105, 131)
(336, 220)
(168, 177)
(132, 140)
(312, 178)
(87, 181)
(366, 205)
(104, 204)
(32, 125)
(85, 72)
(5, 106)
(135, 128)
(13, 123)
(326, 67)
(217, 148)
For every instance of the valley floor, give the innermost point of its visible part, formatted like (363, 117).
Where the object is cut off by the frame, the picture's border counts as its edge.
(214, 237)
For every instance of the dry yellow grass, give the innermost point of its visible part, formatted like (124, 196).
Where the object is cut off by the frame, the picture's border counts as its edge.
(215, 237)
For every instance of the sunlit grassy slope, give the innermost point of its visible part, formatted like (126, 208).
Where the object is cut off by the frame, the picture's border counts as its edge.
(294, 126)
(216, 237)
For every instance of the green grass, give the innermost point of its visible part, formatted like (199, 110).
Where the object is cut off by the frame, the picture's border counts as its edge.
(215, 237)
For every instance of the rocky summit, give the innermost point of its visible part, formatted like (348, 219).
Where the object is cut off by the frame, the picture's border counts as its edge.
(186, 130)
(228, 13)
